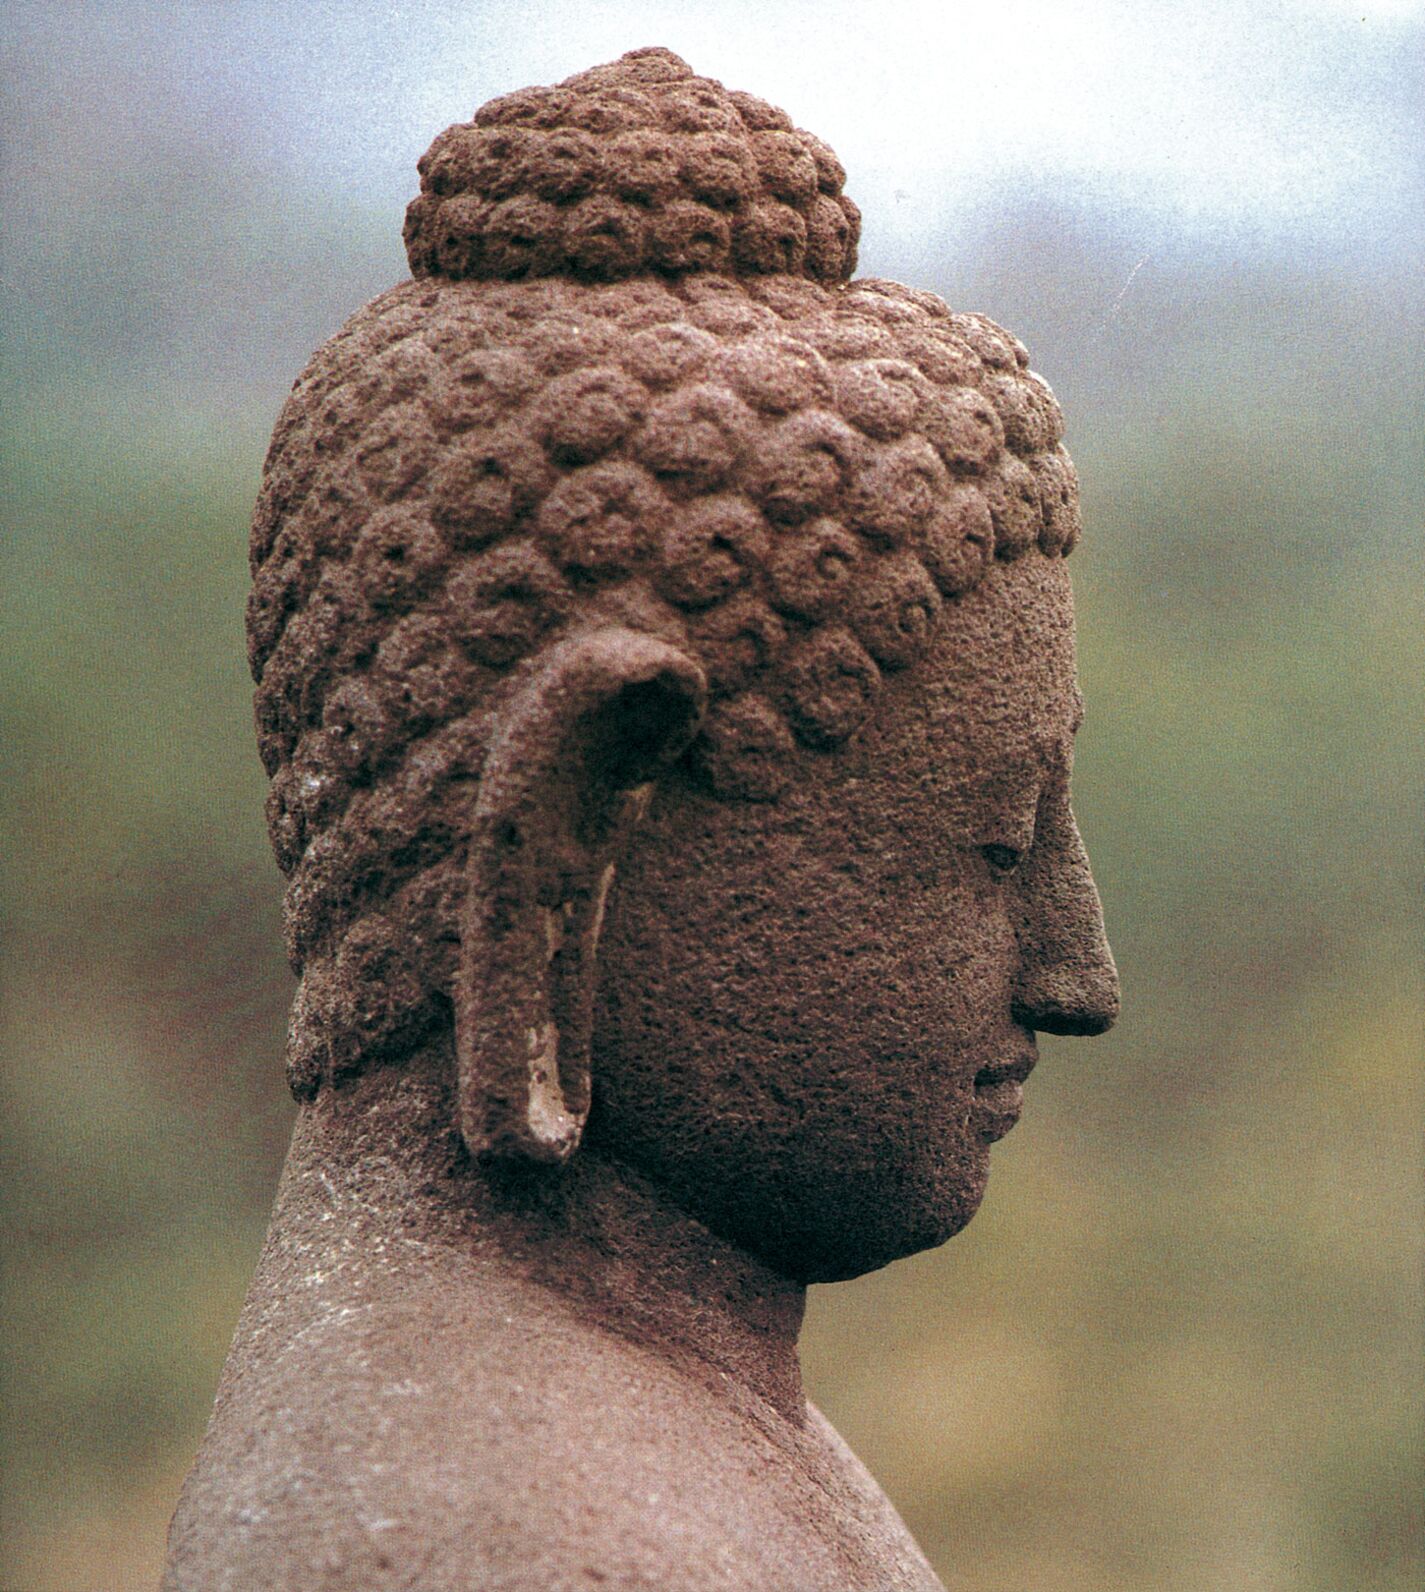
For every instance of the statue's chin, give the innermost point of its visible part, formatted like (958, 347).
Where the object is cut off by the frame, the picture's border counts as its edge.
(847, 1256)
(835, 1233)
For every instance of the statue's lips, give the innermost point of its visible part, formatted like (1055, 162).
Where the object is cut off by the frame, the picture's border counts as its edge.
(999, 1095)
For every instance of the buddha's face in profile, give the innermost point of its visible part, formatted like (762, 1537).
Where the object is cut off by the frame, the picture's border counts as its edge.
(665, 667)
(816, 1016)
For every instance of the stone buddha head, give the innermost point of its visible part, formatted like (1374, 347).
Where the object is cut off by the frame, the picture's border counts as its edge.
(665, 670)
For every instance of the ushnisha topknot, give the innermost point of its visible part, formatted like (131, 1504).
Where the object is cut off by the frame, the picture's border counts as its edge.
(786, 476)
(639, 166)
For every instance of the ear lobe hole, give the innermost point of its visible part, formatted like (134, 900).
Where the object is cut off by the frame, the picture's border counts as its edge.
(641, 729)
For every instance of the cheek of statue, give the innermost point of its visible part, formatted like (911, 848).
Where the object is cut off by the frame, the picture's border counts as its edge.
(791, 1028)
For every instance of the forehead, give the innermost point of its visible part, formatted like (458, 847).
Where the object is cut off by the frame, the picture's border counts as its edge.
(990, 709)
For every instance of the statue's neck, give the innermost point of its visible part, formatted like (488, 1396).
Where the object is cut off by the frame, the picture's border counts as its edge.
(380, 1157)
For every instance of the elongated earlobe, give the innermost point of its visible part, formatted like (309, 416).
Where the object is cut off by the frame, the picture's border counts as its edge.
(570, 770)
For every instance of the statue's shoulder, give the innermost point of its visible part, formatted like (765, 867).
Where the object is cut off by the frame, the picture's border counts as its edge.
(500, 1446)
(861, 1499)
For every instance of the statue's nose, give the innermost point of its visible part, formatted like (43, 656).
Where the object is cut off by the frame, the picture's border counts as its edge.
(1067, 981)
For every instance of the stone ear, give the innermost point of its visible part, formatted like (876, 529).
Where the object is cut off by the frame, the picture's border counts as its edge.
(569, 772)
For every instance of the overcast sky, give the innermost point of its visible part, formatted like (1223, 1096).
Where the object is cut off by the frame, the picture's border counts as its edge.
(1303, 116)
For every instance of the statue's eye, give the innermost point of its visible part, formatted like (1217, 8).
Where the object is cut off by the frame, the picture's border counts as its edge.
(1003, 859)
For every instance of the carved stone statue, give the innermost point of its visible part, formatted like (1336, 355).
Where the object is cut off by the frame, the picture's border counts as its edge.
(665, 672)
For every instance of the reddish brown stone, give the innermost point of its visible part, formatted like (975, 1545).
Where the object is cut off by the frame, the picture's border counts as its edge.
(665, 671)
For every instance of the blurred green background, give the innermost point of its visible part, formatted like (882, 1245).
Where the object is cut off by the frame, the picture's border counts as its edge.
(1180, 1347)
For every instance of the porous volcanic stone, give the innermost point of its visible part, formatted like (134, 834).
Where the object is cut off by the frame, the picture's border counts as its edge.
(664, 670)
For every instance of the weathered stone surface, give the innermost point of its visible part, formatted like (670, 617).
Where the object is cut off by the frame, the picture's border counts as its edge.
(664, 661)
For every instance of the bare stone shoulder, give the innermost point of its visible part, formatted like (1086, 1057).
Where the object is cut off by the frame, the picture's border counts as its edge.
(441, 1436)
